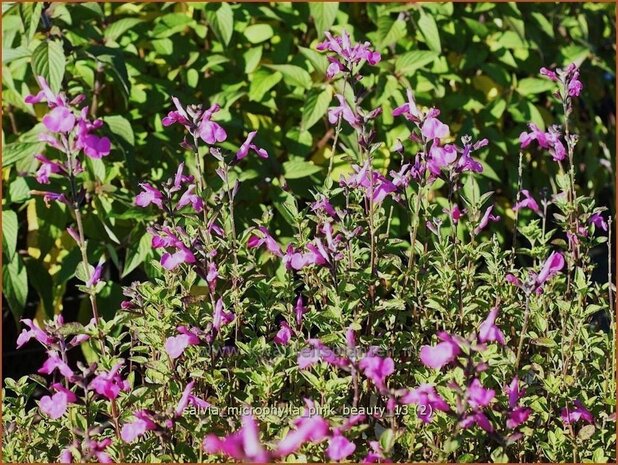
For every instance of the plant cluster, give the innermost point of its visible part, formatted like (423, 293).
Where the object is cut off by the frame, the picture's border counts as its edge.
(341, 341)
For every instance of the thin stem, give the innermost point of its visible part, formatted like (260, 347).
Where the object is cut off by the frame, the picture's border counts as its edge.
(523, 332)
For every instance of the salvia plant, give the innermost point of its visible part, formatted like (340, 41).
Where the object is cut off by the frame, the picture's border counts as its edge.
(353, 339)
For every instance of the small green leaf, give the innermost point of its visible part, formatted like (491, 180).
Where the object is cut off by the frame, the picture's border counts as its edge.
(15, 285)
(411, 61)
(296, 169)
(293, 75)
(530, 86)
(257, 33)
(9, 234)
(315, 107)
(261, 82)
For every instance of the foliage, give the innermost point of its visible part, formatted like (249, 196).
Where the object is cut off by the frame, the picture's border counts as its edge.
(280, 223)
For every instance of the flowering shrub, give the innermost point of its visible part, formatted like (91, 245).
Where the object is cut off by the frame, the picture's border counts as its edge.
(335, 339)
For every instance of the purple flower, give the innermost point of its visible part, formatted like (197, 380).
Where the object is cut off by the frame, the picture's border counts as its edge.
(143, 422)
(53, 363)
(433, 128)
(242, 445)
(187, 399)
(553, 264)
(377, 369)
(598, 221)
(55, 406)
(343, 111)
(513, 392)
(96, 276)
(308, 429)
(208, 130)
(299, 310)
(169, 261)
(220, 317)
(190, 197)
(427, 400)
(176, 345)
(478, 396)
(517, 417)
(109, 384)
(478, 418)
(33, 332)
(574, 86)
(487, 216)
(488, 331)
(549, 74)
(247, 145)
(348, 54)
(339, 448)
(148, 196)
(440, 157)
(284, 334)
(47, 168)
(527, 202)
(265, 239)
(576, 413)
(442, 353)
(409, 109)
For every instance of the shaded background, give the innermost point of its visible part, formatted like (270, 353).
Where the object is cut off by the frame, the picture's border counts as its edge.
(477, 63)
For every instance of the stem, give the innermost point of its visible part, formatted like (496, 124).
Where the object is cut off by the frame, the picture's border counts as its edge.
(523, 332)
(517, 198)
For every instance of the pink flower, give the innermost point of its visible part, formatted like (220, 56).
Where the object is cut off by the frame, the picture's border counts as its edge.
(376, 455)
(242, 445)
(148, 196)
(54, 362)
(478, 418)
(284, 334)
(247, 145)
(299, 310)
(574, 86)
(53, 100)
(265, 239)
(488, 216)
(553, 264)
(95, 147)
(478, 396)
(377, 369)
(109, 384)
(190, 197)
(60, 119)
(512, 279)
(340, 448)
(549, 74)
(220, 317)
(178, 116)
(427, 400)
(433, 128)
(143, 422)
(308, 429)
(441, 157)
(527, 202)
(33, 332)
(188, 398)
(56, 405)
(513, 392)
(408, 109)
(96, 276)
(176, 345)
(517, 417)
(598, 221)
(47, 168)
(348, 53)
(208, 130)
(441, 354)
(170, 261)
(343, 111)
(578, 412)
(488, 331)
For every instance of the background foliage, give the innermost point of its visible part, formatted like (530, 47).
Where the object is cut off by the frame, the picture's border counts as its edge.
(477, 63)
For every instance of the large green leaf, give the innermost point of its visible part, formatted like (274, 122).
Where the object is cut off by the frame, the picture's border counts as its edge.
(315, 107)
(429, 29)
(48, 61)
(324, 15)
(293, 75)
(15, 285)
(261, 82)
(296, 169)
(9, 234)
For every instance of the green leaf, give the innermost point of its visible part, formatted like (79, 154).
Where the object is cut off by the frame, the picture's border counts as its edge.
(530, 86)
(390, 31)
(411, 61)
(324, 15)
(136, 254)
(261, 82)
(586, 432)
(117, 28)
(16, 151)
(387, 440)
(120, 127)
(252, 58)
(222, 22)
(257, 33)
(317, 59)
(9, 234)
(315, 107)
(15, 285)
(429, 29)
(293, 75)
(48, 61)
(296, 169)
